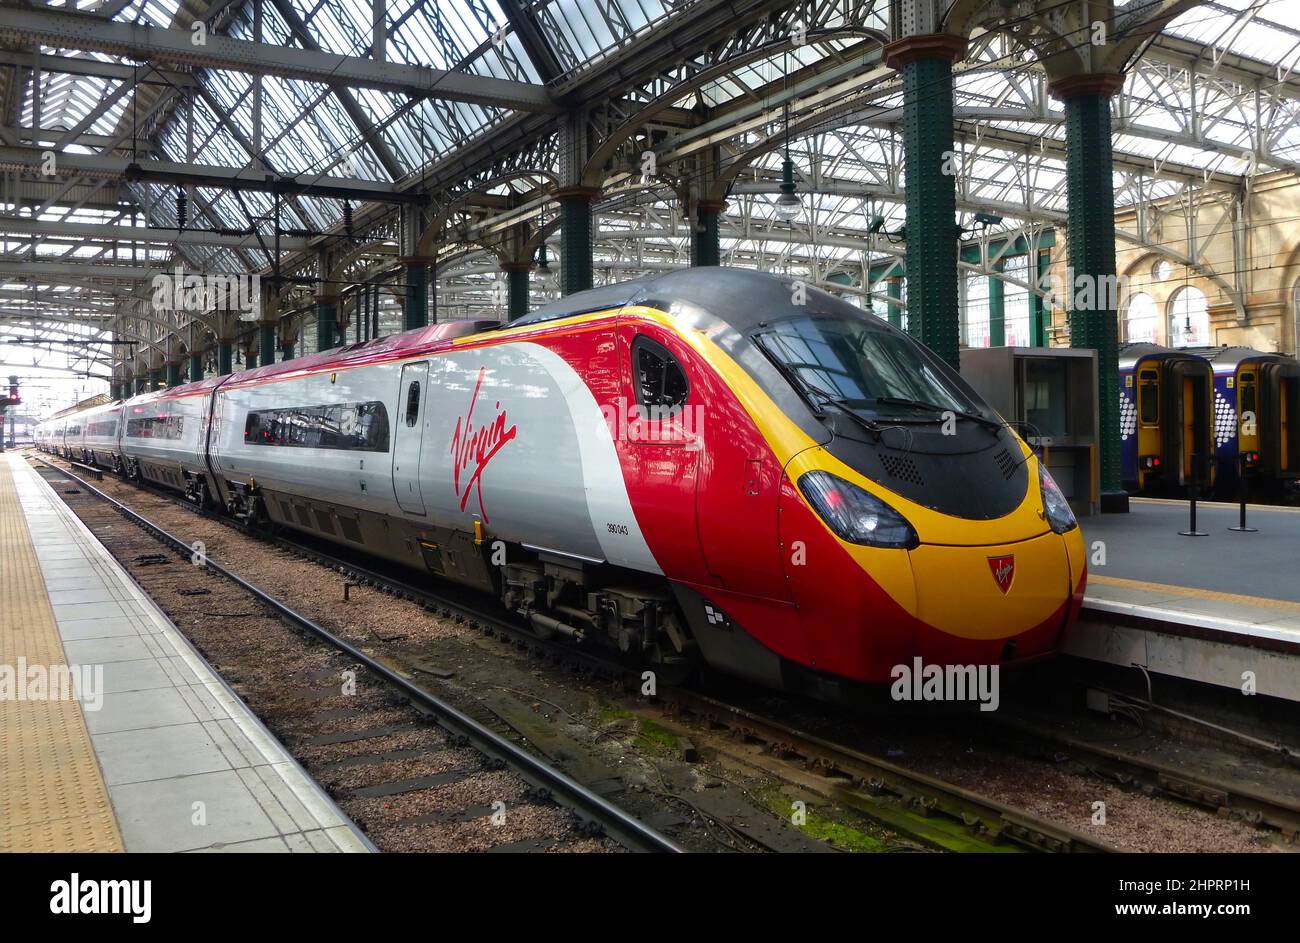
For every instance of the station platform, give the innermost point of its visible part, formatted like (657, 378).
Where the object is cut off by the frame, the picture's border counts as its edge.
(148, 749)
(1205, 608)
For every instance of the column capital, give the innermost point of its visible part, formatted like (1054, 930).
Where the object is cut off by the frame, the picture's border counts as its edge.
(577, 192)
(326, 298)
(517, 265)
(711, 206)
(925, 46)
(417, 259)
(1090, 83)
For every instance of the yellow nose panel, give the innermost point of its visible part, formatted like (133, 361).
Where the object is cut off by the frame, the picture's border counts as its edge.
(960, 590)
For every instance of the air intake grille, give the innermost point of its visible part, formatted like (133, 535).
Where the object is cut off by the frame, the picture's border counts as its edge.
(1006, 463)
(902, 468)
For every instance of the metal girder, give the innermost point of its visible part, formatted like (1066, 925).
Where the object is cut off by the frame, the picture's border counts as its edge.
(139, 234)
(76, 65)
(535, 46)
(176, 47)
(115, 167)
(365, 127)
(50, 272)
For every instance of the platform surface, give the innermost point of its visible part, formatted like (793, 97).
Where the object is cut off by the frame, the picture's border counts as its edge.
(1247, 583)
(156, 753)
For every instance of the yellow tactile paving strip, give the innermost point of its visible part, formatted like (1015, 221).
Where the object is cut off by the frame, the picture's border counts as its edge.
(1195, 592)
(52, 794)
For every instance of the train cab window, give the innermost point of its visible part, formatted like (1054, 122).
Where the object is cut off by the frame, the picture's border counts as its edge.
(659, 378)
(1148, 398)
(1247, 393)
(413, 402)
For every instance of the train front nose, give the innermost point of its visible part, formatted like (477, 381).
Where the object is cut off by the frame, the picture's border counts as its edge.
(997, 603)
(918, 583)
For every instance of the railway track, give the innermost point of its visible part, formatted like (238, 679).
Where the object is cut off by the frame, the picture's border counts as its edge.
(871, 785)
(396, 756)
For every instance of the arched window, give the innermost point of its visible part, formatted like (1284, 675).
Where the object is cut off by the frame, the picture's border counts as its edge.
(1189, 318)
(1141, 323)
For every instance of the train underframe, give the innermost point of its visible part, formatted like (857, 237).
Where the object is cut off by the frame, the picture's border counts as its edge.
(556, 594)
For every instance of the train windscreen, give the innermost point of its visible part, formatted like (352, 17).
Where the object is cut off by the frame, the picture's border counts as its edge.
(877, 372)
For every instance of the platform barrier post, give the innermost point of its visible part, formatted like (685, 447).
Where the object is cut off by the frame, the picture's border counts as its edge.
(1242, 491)
(1193, 488)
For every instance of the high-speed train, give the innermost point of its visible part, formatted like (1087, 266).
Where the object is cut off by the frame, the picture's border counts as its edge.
(709, 465)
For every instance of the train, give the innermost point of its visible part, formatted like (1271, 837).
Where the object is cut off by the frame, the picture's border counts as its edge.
(1256, 421)
(1199, 418)
(1166, 427)
(707, 469)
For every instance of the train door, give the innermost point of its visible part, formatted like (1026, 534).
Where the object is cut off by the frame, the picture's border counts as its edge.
(660, 442)
(409, 436)
(1188, 429)
(1248, 411)
(1149, 444)
(1189, 425)
(1279, 432)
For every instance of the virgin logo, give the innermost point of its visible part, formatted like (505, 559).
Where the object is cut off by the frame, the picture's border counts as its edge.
(1004, 571)
(473, 447)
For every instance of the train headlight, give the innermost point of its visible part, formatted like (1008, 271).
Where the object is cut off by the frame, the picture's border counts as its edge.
(1059, 516)
(856, 515)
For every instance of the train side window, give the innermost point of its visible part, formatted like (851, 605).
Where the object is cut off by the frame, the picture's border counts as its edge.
(412, 402)
(660, 380)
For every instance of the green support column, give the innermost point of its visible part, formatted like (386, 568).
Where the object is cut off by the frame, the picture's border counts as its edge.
(1093, 296)
(287, 352)
(225, 358)
(250, 358)
(174, 373)
(196, 368)
(267, 336)
(575, 238)
(1038, 315)
(415, 309)
(706, 242)
(155, 380)
(894, 290)
(926, 65)
(517, 284)
(141, 384)
(327, 309)
(997, 310)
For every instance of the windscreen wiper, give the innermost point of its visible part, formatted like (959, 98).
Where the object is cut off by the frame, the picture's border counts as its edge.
(934, 407)
(808, 390)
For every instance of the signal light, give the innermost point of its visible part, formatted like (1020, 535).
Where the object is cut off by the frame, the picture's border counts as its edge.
(1150, 461)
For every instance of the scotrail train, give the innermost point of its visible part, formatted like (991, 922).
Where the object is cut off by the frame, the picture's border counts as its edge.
(689, 467)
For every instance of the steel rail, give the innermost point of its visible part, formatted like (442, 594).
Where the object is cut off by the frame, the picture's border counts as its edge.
(623, 827)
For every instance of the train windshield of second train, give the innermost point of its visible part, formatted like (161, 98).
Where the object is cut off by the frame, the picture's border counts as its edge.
(864, 367)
